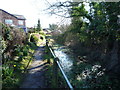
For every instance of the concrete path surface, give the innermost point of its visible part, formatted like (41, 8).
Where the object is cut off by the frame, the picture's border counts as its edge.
(35, 77)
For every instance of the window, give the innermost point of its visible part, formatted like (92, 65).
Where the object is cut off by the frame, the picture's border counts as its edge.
(20, 22)
(8, 21)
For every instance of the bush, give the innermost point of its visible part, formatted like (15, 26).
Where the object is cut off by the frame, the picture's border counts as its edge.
(16, 55)
(32, 45)
(34, 39)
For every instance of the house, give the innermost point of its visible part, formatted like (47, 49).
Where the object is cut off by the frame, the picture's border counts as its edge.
(12, 19)
(47, 31)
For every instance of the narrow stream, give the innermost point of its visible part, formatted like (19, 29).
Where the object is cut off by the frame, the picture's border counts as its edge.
(66, 59)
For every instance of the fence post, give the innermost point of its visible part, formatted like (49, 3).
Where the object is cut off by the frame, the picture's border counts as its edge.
(48, 61)
(55, 71)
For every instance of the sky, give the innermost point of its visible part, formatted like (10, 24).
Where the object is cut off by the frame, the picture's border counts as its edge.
(32, 10)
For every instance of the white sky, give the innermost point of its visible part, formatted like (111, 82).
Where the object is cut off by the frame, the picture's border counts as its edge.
(32, 10)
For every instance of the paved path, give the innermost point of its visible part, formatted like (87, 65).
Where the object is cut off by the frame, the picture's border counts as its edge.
(35, 77)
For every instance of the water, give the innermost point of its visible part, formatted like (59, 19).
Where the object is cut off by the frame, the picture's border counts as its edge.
(66, 60)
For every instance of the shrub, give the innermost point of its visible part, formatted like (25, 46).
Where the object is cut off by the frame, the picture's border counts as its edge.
(16, 55)
(34, 39)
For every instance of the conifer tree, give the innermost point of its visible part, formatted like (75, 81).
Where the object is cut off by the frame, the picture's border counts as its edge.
(38, 25)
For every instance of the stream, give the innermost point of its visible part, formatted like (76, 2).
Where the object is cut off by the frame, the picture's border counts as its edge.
(88, 71)
(66, 58)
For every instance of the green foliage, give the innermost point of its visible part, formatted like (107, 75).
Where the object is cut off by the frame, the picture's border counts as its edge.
(50, 82)
(16, 55)
(53, 26)
(42, 33)
(37, 38)
(86, 75)
(38, 26)
(13, 70)
(96, 38)
(51, 74)
(34, 39)
(32, 46)
(7, 71)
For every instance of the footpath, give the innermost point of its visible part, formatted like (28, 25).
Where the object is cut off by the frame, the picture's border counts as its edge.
(35, 77)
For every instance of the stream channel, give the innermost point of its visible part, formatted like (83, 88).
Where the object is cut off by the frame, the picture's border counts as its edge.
(66, 58)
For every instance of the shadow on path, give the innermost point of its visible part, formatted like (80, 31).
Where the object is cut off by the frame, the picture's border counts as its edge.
(38, 66)
(35, 77)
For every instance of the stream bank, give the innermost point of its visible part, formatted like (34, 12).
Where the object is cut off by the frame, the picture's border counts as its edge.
(82, 74)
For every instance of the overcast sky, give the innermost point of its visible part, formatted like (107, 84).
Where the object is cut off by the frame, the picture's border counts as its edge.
(32, 10)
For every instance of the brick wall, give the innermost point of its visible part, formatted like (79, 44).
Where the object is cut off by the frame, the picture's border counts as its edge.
(0, 16)
(8, 16)
(5, 15)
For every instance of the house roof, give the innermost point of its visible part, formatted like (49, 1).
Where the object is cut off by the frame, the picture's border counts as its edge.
(21, 17)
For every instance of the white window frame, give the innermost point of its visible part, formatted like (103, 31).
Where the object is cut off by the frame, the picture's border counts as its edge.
(20, 22)
(8, 21)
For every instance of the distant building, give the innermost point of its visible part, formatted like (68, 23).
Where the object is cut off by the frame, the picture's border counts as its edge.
(47, 31)
(12, 19)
